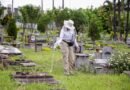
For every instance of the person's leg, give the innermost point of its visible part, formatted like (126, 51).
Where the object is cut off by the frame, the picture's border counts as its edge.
(65, 52)
(71, 59)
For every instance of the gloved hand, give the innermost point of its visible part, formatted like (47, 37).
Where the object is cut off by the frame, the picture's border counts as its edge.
(77, 49)
(55, 45)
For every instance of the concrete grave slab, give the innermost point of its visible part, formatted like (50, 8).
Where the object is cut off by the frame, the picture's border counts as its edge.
(81, 60)
(9, 50)
(26, 78)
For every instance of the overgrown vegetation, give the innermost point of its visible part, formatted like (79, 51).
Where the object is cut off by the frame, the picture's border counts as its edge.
(78, 81)
(90, 23)
(120, 61)
(12, 29)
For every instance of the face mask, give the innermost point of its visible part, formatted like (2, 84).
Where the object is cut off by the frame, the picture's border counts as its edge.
(67, 29)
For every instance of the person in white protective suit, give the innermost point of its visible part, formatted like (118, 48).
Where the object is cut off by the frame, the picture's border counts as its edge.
(67, 41)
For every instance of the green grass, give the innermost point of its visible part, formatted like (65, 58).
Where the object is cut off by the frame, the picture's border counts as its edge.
(79, 81)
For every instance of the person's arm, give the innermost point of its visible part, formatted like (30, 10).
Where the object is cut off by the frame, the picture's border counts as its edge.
(61, 35)
(76, 44)
(60, 38)
(75, 41)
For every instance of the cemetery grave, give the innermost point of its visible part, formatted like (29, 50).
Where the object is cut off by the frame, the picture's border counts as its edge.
(9, 50)
(27, 45)
(38, 42)
(100, 64)
(127, 73)
(20, 62)
(37, 38)
(35, 46)
(128, 42)
(26, 78)
(101, 58)
(41, 66)
(106, 52)
(81, 61)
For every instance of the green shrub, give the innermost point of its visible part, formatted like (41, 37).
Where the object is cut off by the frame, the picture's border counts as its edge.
(12, 29)
(120, 62)
(87, 46)
(113, 46)
(43, 22)
(99, 43)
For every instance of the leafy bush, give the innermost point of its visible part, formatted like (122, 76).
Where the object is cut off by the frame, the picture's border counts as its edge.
(43, 22)
(12, 29)
(111, 45)
(93, 27)
(87, 46)
(6, 20)
(99, 43)
(120, 61)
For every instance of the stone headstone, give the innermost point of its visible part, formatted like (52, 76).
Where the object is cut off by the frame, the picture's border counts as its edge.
(27, 45)
(81, 60)
(127, 73)
(98, 55)
(100, 66)
(41, 39)
(38, 47)
(106, 52)
(128, 42)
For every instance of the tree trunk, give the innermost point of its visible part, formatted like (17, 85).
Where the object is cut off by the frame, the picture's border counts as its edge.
(114, 22)
(93, 41)
(32, 28)
(23, 31)
(127, 22)
(119, 19)
(47, 36)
